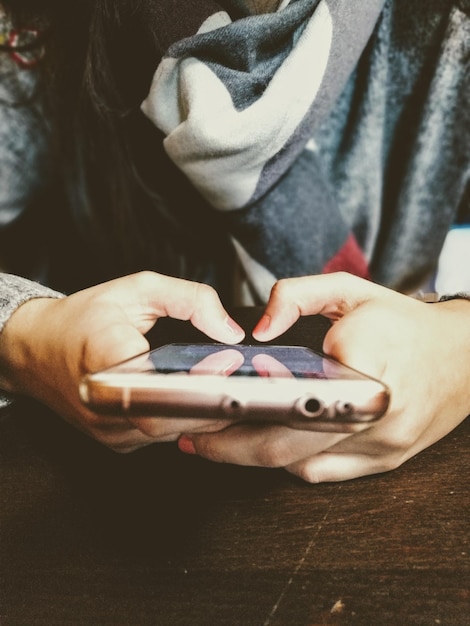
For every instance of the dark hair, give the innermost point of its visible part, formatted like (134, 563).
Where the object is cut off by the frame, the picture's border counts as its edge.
(125, 200)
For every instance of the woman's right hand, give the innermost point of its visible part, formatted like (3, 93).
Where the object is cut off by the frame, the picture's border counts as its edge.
(49, 344)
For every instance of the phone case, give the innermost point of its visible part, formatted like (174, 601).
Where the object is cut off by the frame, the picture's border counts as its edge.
(285, 384)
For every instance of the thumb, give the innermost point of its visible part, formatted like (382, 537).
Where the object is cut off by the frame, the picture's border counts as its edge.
(347, 344)
(120, 342)
(332, 295)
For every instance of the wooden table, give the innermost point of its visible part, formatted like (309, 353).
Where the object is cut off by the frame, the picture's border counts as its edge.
(92, 538)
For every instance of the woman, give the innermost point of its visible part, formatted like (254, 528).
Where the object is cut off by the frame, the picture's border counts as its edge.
(296, 154)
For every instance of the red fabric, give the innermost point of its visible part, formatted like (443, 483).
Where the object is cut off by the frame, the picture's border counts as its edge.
(349, 258)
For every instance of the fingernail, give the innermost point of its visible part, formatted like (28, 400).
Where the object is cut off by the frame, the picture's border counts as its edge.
(233, 327)
(186, 445)
(263, 325)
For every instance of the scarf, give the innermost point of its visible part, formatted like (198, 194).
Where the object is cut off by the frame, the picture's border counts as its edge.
(239, 97)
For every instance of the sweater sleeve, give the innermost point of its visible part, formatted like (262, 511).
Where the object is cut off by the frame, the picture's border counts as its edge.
(461, 295)
(15, 291)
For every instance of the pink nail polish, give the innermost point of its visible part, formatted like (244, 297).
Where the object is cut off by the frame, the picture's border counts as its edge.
(186, 445)
(263, 325)
(234, 328)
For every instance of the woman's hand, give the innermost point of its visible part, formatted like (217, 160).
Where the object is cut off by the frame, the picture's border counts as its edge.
(48, 345)
(421, 351)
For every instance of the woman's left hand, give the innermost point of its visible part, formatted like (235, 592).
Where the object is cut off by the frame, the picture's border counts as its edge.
(421, 351)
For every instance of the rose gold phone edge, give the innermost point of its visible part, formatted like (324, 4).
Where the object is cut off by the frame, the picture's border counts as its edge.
(335, 405)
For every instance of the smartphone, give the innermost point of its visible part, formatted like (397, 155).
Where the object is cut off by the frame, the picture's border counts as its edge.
(292, 385)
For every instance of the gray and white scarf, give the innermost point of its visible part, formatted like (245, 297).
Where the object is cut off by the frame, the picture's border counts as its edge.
(238, 97)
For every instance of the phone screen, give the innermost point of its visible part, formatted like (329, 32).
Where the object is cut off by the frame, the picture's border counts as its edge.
(244, 361)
